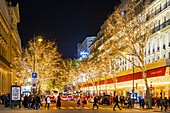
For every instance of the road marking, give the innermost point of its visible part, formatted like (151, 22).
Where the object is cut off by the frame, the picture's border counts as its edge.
(101, 108)
(63, 107)
(86, 108)
(78, 107)
(70, 107)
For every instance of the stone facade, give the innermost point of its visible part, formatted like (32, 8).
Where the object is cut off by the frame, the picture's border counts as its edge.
(10, 43)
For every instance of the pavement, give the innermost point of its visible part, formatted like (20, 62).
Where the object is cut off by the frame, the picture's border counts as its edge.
(154, 109)
(87, 107)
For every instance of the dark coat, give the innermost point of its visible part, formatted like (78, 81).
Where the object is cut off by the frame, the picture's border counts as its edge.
(116, 100)
(59, 101)
(95, 100)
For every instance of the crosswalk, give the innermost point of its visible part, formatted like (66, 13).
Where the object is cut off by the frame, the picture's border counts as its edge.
(86, 108)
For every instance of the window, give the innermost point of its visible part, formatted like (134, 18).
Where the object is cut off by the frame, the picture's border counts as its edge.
(153, 59)
(149, 48)
(165, 19)
(158, 42)
(164, 56)
(163, 38)
(169, 40)
(164, 46)
(153, 45)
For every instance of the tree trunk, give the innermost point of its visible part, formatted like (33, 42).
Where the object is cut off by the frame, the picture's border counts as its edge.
(114, 80)
(97, 90)
(148, 95)
(105, 83)
(38, 88)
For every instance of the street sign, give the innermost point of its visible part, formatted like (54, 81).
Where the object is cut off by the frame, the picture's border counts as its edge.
(34, 75)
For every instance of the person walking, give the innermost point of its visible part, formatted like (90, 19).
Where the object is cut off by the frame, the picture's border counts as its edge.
(59, 101)
(37, 102)
(121, 100)
(116, 103)
(25, 102)
(95, 102)
(165, 104)
(78, 101)
(30, 101)
(158, 101)
(111, 100)
(129, 103)
(48, 102)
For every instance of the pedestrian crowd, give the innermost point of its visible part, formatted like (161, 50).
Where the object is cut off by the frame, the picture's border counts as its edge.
(126, 102)
(35, 101)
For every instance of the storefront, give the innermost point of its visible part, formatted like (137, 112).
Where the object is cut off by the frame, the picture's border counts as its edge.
(158, 81)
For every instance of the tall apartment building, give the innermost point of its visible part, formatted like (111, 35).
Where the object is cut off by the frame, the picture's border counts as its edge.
(157, 54)
(10, 43)
(83, 48)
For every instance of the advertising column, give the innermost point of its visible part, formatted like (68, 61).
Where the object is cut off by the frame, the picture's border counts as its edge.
(15, 97)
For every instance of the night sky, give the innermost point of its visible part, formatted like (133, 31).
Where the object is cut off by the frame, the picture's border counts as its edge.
(68, 22)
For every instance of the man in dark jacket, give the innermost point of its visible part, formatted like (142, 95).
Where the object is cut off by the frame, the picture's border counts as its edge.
(95, 102)
(116, 103)
(165, 104)
(37, 102)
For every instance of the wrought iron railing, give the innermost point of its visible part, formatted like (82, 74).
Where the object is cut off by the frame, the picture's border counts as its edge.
(159, 27)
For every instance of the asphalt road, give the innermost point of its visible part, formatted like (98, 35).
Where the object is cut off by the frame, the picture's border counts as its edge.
(71, 107)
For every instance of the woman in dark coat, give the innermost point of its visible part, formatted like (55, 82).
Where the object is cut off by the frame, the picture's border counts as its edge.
(58, 101)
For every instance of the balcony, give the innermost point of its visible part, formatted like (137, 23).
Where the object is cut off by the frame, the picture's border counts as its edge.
(162, 8)
(159, 27)
(167, 4)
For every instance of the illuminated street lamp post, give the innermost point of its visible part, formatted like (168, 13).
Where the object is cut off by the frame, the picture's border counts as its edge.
(16, 81)
(133, 83)
(34, 74)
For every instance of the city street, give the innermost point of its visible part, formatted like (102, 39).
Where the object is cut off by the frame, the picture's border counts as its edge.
(71, 107)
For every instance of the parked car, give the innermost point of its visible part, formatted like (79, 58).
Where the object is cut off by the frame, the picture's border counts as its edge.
(105, 100)
(64, 97)
(70, 97)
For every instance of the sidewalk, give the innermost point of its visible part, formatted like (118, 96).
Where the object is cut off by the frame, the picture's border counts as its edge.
(8, 108)
(154, 109)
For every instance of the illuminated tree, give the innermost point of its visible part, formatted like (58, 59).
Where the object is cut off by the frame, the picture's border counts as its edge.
(88, 69)
(70, 72)
(129, 33)
(40, 56)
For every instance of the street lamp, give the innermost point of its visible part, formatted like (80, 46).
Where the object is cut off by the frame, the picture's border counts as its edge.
(16, 81)
(29, 80)
(133, 81)
(34, 74)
